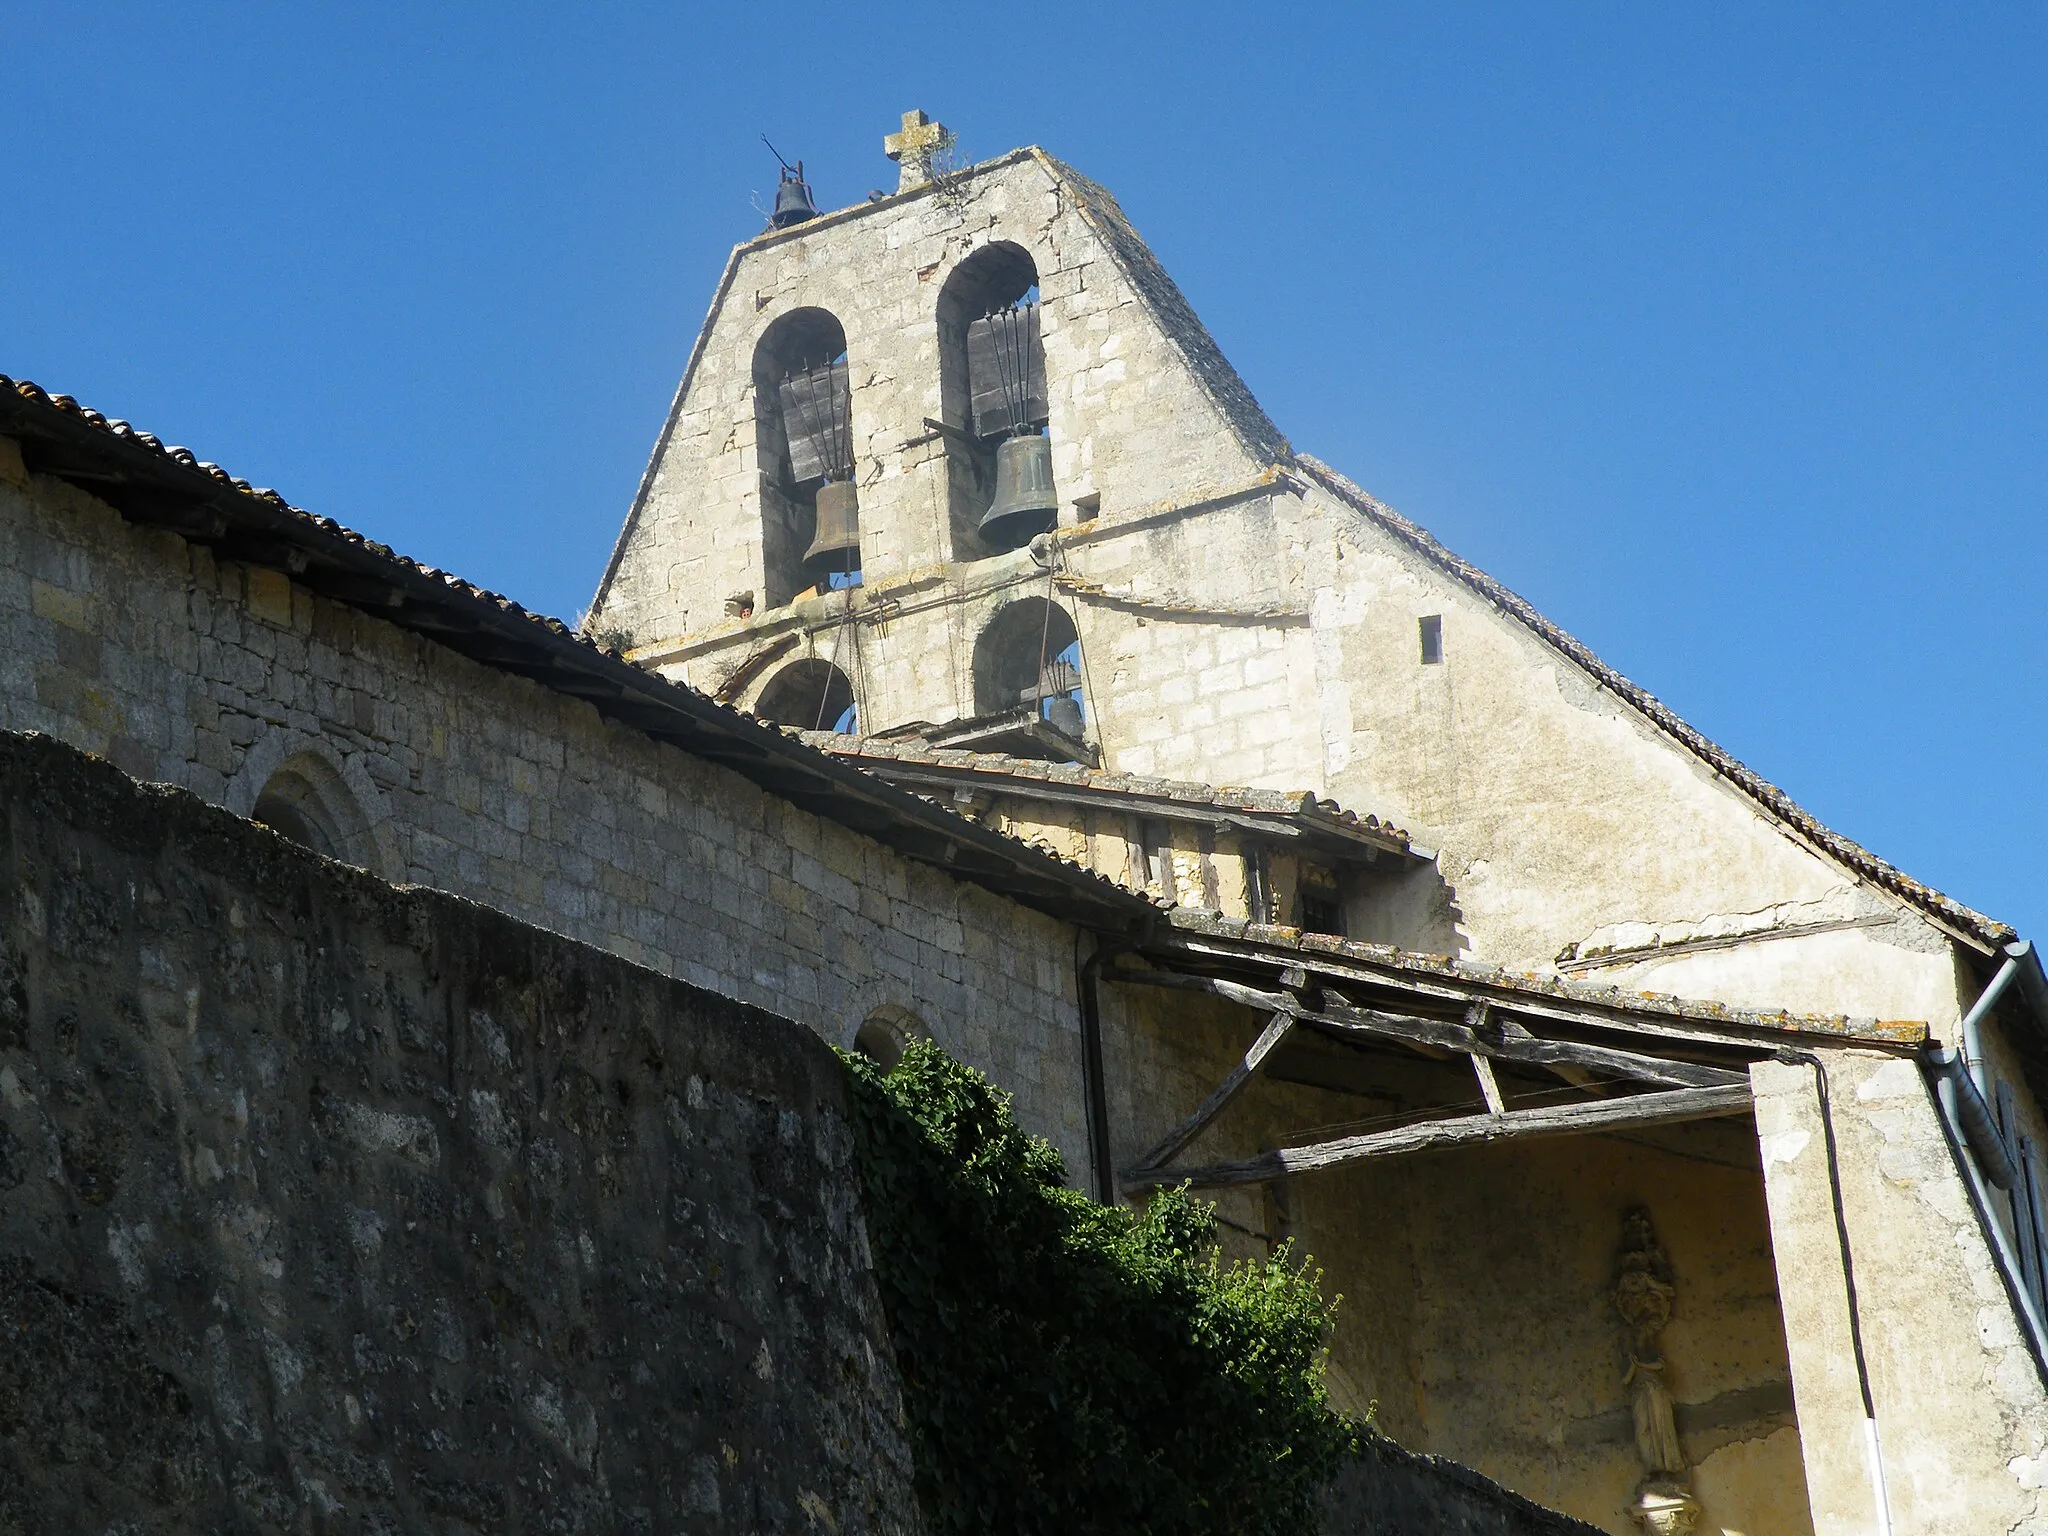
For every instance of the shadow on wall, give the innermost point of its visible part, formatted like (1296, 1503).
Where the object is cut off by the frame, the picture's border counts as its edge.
(1414, 909)
(1384, 1490)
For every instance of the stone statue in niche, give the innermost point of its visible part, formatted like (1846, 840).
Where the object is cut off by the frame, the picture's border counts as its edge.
(1643, 1295)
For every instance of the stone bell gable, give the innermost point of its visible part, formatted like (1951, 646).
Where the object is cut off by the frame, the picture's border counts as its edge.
(1140, 407)
(1203, 604)
(1248, 838)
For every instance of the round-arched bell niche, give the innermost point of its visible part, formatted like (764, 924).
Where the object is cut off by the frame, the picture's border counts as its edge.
(812, 695)
(1027, 659)
(992, 388)
(803, 434)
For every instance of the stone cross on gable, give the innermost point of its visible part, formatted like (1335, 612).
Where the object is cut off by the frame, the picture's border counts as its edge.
(912, 149)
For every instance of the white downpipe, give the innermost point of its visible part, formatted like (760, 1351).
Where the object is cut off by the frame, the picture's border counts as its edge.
(1972, 1028)
(1884, 1503)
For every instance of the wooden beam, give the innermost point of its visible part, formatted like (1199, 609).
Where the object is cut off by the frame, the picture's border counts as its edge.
(1559, 1010)
(1464, 1130)
(1269, 1040)
(1530, 1051)
(1489, 1089)
(1432, 1035)
(1251, 997)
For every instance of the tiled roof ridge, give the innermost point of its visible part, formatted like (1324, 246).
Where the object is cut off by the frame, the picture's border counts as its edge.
(511, 609)
(1538, 984)
(1158, 292)
(1236, 797)
(29, 390)
(1772, 799)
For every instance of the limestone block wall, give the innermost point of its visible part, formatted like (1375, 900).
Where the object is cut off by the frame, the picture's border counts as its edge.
(327, 1206)
(134, 645)
(1193, 628)
(1239, 621)
(1131, 423)
(1567, 824)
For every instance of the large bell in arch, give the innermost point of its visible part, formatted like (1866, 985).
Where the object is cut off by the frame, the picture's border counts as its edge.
(837, 546)
(1025, 502)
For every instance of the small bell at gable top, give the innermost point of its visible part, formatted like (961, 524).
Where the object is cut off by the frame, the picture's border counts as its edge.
(793, 203)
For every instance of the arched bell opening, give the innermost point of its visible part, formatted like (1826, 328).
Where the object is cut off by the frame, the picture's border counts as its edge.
(1028, 661)
(993, 397)
(803, 436)
(811, 694)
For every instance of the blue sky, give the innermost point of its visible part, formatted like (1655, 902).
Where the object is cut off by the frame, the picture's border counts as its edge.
(1721, 333)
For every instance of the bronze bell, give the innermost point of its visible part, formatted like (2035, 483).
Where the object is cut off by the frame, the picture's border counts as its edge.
(1063, 714)
(793, 203)
(838, 528)
(1025, 502)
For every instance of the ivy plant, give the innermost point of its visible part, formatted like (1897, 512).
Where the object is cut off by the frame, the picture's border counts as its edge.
(1070, 1368)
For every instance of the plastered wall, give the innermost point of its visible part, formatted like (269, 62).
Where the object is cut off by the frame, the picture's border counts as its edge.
(1478, 1320)
(1961, 1411)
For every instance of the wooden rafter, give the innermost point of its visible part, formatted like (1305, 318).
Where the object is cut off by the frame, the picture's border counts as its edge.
(1559, 1120)
(1412, 1030)
(1276, 1030)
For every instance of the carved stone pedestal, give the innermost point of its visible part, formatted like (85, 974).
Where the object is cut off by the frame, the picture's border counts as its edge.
(1665, 1508)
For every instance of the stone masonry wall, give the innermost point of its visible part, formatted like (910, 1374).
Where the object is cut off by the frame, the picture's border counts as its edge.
(331, 1207)
(134, 645)
(1131, 421)
(1386, 1491)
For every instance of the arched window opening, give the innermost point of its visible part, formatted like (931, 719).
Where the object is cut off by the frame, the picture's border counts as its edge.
(993, 396)
(811, 694)
(306, 801)
(886, 1034)
(803, 435)
(1028, 662)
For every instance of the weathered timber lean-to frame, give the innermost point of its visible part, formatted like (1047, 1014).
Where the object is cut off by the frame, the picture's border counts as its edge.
(1675, 1068)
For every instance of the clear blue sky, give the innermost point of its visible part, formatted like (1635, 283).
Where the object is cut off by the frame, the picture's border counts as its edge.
(1720, 332)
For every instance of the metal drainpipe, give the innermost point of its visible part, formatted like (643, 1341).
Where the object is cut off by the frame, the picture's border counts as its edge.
(1093, 1090)
(1971, 1030)
(1980, 1169)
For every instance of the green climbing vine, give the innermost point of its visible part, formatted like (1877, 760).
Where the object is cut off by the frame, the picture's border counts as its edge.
(1070, 1368)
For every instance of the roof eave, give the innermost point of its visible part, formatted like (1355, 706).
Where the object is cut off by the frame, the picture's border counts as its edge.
(166, 488)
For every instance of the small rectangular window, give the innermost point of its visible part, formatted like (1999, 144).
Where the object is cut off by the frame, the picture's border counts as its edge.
(1432, 630)
(1319, 901)
(1086, 507)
